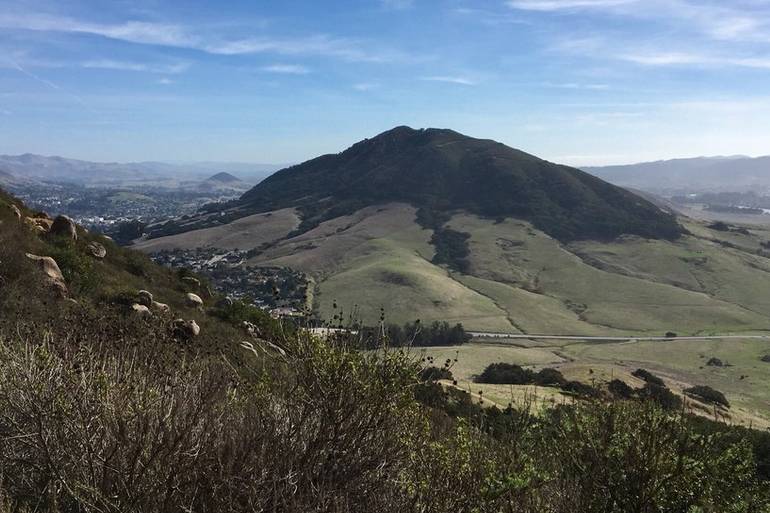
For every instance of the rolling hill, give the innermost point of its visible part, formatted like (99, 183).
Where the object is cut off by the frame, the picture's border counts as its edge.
(434, 225)
(702, 174)
(59, 169)
(439, 171)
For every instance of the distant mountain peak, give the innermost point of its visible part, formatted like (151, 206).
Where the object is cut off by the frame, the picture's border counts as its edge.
(223, 177)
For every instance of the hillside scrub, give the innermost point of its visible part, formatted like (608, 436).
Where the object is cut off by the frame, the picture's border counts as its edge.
(327, 428)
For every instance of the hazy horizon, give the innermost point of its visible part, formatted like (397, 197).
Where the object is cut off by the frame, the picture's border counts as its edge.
(280, 165)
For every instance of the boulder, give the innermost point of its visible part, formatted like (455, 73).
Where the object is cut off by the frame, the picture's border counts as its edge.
(141, 311)
(186, 329)
(766, 358)
(15, 211)
(97, 250)
(52, 275)
(251, 328)
(39, 224)
(192, 282)
(65, 227)
(160, 307)
(145, 298)
(193, 300)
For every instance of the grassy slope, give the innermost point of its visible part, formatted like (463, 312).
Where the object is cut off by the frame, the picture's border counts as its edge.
(245, 233)
(99, 285)
(513, 253)
(379, 258)
(521, 279)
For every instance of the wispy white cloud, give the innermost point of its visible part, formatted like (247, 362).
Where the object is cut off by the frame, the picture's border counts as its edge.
(132, 31)
(174, 35)
(136, 66)
(663, 58)
(165, 81)
(365, 86)
(287, 69)
(724, 21)
(577, 85)
(451, 80)
(319, 45)
(557, 5)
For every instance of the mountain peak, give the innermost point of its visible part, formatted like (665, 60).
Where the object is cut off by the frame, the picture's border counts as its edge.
(223, 177)
(439, 170)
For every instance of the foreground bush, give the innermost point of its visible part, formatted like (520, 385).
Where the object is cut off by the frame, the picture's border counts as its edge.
(84, 429)
(140, 423)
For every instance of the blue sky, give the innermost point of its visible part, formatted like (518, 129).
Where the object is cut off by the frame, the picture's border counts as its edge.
(575, 81)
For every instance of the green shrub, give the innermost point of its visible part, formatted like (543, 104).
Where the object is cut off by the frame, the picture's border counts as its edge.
(661, 395)
(78, 268)
(648, 377)
(505, 374)
(620, 389)
(239, 312)
(548, 376)
(707, 395)
(580, 389)
(435, 374)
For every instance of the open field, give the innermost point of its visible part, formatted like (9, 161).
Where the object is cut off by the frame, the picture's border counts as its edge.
(744, 381)
(681, 363)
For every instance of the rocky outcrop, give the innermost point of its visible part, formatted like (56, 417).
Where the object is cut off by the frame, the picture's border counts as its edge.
(160, 307)
(141, 311)
(97, 250)
(186, 329)
(193, 300)
(65, 227)
(15, 211)
(39, 224)
(145, 298)
(52, 275)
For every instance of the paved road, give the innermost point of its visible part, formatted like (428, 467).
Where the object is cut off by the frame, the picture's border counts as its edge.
(482, 334)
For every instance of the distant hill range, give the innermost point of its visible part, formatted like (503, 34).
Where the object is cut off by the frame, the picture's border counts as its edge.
(59, 169)
(702, 174)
